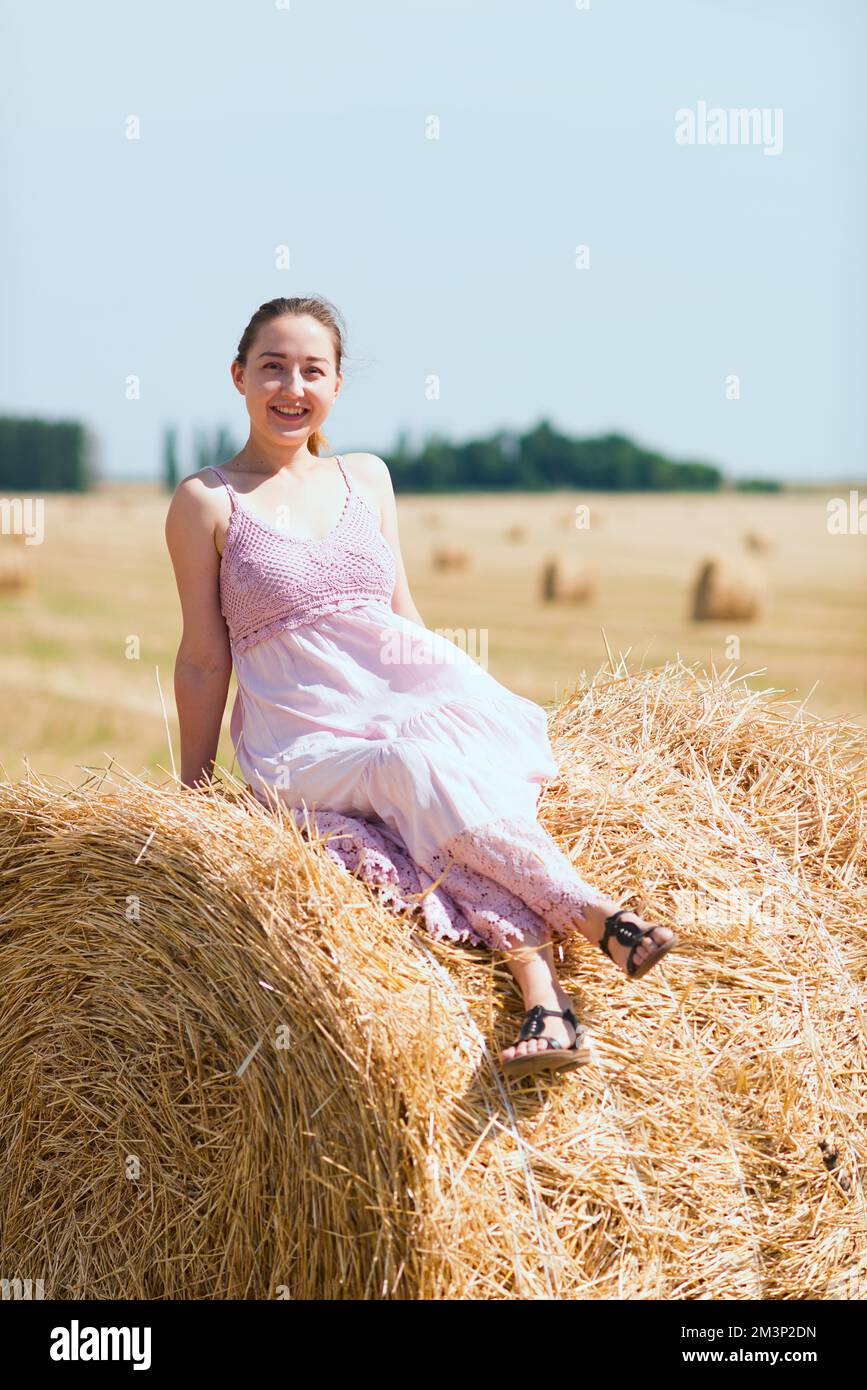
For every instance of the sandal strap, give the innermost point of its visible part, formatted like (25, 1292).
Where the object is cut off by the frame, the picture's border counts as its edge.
(533, 1025)
(627, 933)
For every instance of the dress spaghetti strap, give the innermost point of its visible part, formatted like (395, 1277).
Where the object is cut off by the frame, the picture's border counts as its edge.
(343, 471)
(224, 480)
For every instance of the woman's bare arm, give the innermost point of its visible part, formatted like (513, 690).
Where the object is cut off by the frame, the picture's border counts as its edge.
(402, 600)
(203, 666)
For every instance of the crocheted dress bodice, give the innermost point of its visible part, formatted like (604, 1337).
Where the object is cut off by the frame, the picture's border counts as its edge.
(270, 581)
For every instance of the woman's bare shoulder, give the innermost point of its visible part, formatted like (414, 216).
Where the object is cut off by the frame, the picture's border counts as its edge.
(370, 472)
(199, 500)
(371, 464)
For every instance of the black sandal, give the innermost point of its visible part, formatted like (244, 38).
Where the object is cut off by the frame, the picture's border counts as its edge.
(557, 1054)
(630, 934)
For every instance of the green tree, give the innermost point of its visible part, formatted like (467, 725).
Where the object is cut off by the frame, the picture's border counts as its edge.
(170, 458)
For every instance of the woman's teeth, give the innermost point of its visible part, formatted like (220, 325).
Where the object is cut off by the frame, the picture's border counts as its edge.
(289, 414)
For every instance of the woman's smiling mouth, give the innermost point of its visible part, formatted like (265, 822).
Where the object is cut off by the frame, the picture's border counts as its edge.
(289, 415)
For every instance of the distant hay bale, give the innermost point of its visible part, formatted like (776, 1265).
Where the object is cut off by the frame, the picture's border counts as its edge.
(726, 591)
(16, 573)
(432, 519)
(451, 557)
(516, 533)
(758, 542)
(228, 1070)
(566, 579)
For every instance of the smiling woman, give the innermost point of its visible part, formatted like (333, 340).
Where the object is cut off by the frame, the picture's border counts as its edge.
(427, 758)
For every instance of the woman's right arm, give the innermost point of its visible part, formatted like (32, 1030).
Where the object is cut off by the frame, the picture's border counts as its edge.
(203, 666)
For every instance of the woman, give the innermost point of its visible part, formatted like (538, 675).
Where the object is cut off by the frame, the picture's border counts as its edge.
(346, 702)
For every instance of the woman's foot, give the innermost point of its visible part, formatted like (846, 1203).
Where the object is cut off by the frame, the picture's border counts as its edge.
(621, 952)
(559, 1030)
(534, 971)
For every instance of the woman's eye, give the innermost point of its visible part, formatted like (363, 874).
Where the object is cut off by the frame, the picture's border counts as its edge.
(278, 365)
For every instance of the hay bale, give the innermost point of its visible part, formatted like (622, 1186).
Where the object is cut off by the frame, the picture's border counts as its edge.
(725, 591)
(16, 572)
(566, 579)
(516, 533)
(451, 557)
(432, 519)
(154, 944)
(758, 542)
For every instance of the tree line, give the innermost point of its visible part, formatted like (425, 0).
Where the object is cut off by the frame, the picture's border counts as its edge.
(46, 455)
(49, 456)
(543, 458)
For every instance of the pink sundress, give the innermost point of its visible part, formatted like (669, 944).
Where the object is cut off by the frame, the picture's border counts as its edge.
(388, 737)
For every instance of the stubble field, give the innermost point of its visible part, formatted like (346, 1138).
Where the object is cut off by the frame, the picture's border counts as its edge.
(82, 645)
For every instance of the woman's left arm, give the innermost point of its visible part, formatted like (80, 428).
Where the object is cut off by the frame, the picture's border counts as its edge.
(402, 600)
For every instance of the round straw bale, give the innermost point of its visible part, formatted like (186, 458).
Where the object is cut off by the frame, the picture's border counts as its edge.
(759, 542)
(229, 1071)
(517, 532)
(566, 579)
(726, 590)
(16, 574)
(451, 557)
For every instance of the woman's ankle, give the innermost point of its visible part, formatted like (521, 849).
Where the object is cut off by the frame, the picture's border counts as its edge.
(592, 924)
(538, 982)
(549, 993)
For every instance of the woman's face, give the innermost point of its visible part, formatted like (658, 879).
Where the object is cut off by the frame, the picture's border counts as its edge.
(290, 364)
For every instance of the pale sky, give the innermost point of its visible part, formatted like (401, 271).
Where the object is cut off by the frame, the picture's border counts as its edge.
(266, 124)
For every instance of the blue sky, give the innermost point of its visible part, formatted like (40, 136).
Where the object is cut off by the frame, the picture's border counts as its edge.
(304, 125)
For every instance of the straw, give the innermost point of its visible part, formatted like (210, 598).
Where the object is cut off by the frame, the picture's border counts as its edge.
(227, 1070)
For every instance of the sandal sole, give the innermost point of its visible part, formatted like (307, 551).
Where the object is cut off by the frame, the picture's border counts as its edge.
(553, 1059)
(652, 960)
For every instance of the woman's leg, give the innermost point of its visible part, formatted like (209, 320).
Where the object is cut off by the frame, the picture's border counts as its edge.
(535, 972)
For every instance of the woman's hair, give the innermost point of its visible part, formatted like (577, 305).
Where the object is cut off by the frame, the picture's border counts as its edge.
(318, 308)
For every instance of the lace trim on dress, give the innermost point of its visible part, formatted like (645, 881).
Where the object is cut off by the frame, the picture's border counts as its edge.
(474, 910)
(519, 854)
